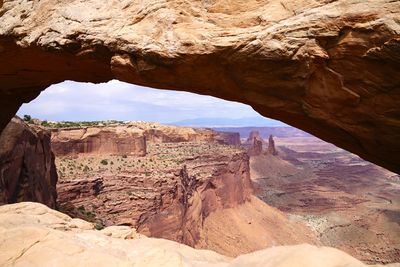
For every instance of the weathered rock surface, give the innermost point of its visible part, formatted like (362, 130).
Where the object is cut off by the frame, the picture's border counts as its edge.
(158, 133)
(182, 191)
(99, 140)
(328, 67)
(271, 146)
(32, 234)
(351, 204)
(166, 194)
(227, 138)
(256, 147)
(27, 169)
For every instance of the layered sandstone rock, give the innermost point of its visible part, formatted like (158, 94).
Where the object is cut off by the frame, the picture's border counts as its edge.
(271, 146)
(180, 191)
(158, 133)
(328, 67)
(27, 170)
(256, 147)
(227, 138)
(165, 194)
(32, 234)
(99, 140)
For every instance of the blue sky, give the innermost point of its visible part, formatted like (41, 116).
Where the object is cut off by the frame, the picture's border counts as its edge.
(75, 101)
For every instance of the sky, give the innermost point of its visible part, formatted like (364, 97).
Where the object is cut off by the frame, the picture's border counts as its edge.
(73, 101)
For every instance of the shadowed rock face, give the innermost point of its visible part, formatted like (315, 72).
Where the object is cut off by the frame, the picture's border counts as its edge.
(27, 170)
(328, 67)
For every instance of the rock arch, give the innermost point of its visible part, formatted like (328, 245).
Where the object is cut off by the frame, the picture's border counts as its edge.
(328, 67)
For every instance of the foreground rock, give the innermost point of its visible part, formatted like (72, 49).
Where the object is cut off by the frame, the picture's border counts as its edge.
(327, 67)
(33, 235)
(27, 169)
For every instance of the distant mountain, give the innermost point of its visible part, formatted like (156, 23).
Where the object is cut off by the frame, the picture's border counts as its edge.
(282, 131)
(225, 122)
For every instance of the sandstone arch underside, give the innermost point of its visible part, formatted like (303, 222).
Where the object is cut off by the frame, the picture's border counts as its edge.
(329, 67)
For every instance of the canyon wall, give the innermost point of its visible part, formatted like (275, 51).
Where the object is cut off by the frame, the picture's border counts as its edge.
(194, 199)
(99, 140)
(27, 169)
(227, 138)
(130, 139)
(168, 202)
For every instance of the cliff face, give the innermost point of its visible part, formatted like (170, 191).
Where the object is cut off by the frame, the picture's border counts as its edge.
(99, 140)
(327, 67)
(227, 138)
(163, 197)
(27, 170)
(195, 198)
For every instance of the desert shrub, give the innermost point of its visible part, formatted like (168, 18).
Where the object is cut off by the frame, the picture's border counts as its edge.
(124, 156)
(27, 118)
(99, 226)
(104, 162)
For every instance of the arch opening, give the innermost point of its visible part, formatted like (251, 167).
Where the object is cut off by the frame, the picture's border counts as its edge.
(102, 161)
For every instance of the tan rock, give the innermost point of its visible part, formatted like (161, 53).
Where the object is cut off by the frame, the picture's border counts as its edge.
(41, 244)
(327, 67)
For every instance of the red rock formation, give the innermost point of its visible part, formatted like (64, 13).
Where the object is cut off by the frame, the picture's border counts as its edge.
(182, 220)
(271, 146)
(99, 140)
(256, 148)
(227, 138)
(253, 135)
(27, 170)
(168, 202)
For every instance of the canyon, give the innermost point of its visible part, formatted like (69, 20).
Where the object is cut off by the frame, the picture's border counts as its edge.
(184, 189)
(190, 186)
(327, 67)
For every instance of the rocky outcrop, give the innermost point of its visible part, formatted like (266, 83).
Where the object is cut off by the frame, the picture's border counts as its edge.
(254, 135)
(27, 170)
(162, 197)
(158, 133)
(99, 140)
(227, 138)
(327, 67)
(228, 186)
(271, 146)
(33, 234)
(256, 148)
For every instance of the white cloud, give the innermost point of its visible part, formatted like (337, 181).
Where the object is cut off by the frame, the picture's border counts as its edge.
(117, 100)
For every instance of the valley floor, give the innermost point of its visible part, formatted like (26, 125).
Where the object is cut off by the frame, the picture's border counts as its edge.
(351, 204)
